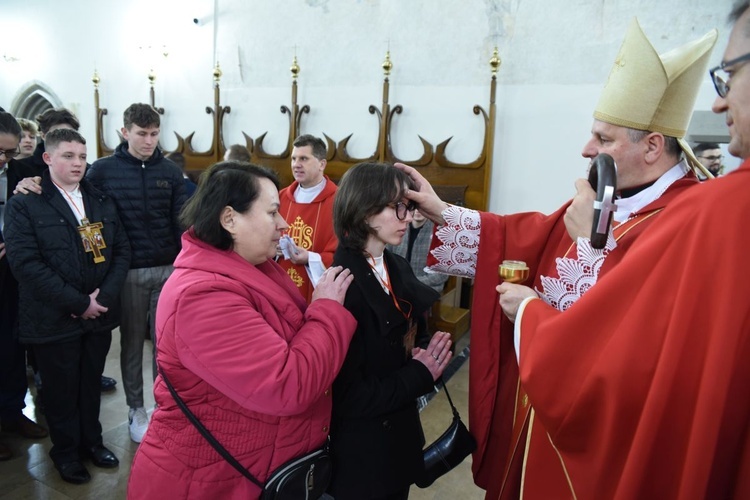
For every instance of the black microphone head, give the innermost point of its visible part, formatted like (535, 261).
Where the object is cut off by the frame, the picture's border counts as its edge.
(603, 179)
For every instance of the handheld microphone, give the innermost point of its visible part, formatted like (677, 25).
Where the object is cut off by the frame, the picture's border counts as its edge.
(603, 178)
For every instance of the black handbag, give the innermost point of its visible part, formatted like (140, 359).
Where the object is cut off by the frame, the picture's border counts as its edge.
(447, 451)
(302, 478)
(306, 477)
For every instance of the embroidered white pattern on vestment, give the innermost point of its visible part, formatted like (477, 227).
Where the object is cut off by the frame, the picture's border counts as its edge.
(577, 275)
(459, 238)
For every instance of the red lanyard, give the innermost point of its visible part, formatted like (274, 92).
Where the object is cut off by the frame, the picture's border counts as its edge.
(82, 216)
(386, 283)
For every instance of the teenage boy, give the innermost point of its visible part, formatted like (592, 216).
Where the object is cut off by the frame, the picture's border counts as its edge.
(70, 254)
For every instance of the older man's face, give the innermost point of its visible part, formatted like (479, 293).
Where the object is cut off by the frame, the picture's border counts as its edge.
(737, 102)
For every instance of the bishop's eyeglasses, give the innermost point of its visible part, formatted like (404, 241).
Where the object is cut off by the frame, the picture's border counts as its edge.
(721, 76)
(401, 208)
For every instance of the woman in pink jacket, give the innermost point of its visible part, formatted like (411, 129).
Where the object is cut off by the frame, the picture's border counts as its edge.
(250, 359)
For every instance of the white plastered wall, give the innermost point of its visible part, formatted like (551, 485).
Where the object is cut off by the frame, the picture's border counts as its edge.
(556, 56)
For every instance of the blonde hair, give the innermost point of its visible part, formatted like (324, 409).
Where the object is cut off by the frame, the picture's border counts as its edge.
(28, 126)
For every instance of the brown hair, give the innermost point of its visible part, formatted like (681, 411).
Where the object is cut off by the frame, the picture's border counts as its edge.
(365, 190)
(316, 144)
(143, 115)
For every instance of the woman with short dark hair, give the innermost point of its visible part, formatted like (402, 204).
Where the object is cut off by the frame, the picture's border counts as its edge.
(376, 436)
(240, 346)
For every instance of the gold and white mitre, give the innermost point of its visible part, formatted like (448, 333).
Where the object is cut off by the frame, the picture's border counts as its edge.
(648, 91)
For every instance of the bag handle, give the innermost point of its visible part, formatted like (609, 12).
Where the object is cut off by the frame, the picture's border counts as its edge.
(206, 434)
(445, 389)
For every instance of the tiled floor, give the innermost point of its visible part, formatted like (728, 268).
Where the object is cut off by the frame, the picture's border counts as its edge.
(31, 475)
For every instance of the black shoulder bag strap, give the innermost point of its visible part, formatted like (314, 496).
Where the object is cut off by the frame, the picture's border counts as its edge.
(209, 437)
(445, 389)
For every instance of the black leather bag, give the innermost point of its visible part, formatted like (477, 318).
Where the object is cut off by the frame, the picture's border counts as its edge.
(447, 451)
(305, 477)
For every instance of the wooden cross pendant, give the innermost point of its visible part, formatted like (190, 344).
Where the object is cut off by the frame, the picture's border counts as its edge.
(93, 241)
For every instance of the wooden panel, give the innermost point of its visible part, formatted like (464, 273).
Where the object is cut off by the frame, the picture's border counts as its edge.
(460, 183)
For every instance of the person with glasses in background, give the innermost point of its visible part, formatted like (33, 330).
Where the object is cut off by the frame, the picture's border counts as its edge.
(376, 435)
(709, 154)
(13, 384)
(653, 403)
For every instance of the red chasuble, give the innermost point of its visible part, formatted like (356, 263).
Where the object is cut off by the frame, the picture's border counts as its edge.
(311, 228)
(498, 412)
(643, 384)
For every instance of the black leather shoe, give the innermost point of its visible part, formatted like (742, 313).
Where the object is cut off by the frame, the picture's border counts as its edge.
(108, 384)
(102, 457)
(73, 472)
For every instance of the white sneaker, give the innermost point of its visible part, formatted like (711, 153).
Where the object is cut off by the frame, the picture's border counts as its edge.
(138, 419)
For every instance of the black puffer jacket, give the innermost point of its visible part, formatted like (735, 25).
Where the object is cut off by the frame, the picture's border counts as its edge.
(149, 196)
(36, 161)
(55, 274)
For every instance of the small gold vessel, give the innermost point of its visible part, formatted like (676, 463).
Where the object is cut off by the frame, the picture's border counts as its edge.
(513, 271)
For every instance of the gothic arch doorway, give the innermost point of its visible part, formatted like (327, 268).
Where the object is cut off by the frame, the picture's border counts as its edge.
(33, 100)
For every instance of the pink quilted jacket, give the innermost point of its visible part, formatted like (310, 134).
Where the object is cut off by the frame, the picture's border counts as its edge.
(253, 363)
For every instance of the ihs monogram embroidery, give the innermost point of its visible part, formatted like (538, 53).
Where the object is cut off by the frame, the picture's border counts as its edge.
(301, 233)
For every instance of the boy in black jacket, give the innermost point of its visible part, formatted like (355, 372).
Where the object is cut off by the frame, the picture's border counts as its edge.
(70, 254)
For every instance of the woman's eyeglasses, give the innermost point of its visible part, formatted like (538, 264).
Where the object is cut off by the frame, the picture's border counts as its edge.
(10, 153)
(401, 208)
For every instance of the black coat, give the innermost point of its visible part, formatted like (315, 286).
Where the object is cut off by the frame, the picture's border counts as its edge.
(17, 170)
(149, 196)
(376, 435)
(55, 274)
(36, 161)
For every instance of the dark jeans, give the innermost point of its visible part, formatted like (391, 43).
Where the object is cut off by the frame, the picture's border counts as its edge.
(71, 372)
